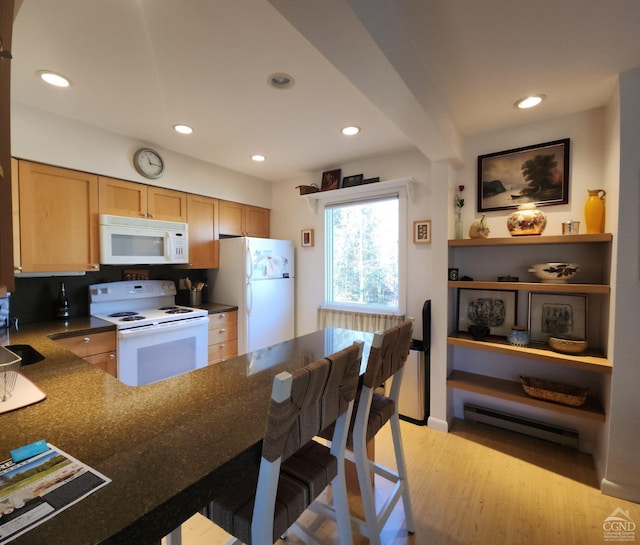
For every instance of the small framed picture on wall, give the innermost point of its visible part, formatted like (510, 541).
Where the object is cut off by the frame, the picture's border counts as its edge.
(422, 232)
(306, 238)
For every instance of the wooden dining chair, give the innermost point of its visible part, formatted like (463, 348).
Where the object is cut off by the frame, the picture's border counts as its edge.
(372, 410)
(262, 499)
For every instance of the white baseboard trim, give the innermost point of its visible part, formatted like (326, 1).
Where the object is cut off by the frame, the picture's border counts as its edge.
(622, 491)
(438, 424)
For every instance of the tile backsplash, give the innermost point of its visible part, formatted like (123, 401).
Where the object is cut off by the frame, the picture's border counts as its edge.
(34, 298)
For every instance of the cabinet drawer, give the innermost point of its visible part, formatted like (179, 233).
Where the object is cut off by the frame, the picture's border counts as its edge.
(222, 318)
(86, 345)
(223, 333)
(222, 351)
(106, 361)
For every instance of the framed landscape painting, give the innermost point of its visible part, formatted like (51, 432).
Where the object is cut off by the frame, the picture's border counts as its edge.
(534, 174)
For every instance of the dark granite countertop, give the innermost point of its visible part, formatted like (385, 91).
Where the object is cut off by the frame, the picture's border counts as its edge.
(164, 445)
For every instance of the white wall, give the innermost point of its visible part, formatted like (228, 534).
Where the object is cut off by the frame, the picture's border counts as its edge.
(47, 138)
(622, 476)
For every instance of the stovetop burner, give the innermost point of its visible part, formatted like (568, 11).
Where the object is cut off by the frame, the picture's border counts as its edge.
(134, 317)
(168, 308)
(122, 314)
(179, 310)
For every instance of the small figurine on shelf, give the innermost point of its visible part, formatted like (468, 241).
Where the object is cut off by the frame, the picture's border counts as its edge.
(479, 228)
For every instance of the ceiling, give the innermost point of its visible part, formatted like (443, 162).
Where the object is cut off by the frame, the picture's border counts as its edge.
(411, 73)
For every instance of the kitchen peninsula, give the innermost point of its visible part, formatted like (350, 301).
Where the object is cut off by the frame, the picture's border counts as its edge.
(164, 445)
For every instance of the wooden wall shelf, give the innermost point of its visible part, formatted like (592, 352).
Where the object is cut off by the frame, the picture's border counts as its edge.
(588, 361)
(524, 240)
(512, 391)
(532, 286)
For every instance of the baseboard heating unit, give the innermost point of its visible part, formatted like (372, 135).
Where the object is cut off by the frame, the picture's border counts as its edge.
(563, 436)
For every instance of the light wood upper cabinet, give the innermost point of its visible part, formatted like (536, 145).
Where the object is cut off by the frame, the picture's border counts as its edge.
(123, 198)
(202, 217)
(57, 219)
(243, 220)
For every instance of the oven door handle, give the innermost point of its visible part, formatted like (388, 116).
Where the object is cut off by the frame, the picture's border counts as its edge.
(164, 327)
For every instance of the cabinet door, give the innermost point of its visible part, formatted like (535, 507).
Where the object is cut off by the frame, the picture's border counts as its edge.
(256, 221)
(202, 217)
(230, 222)
(58, 219)
(122, 198)
(166, 204)
(91, 344)
(107, 361)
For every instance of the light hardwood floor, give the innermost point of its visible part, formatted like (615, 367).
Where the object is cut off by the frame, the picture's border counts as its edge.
(481, 485)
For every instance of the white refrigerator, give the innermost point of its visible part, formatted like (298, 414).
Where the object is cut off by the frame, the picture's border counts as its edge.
(257, 275)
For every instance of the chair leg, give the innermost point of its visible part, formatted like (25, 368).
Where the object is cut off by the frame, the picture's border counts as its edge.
(341, 506)
(366, 492)
(402, 472)
(175, 537)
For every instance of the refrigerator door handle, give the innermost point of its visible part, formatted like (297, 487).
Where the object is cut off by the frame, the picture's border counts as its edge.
(249, 263)
(249, 298)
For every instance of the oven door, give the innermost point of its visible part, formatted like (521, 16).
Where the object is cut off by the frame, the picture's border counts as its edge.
(156, 352)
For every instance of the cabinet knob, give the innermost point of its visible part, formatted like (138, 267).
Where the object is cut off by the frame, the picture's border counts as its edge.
(112, 356)
(86, 340)
(223, 331)
(151, 216)
(95, 267)
(18, 269)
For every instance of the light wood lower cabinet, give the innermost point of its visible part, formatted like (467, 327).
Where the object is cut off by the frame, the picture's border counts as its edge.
(223, 336)
(97, 348)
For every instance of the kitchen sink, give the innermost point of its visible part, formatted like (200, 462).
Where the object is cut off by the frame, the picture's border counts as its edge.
(28, 354)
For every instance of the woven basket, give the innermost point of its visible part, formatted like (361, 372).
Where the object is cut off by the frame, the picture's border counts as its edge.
(306, 189)
(558, 392)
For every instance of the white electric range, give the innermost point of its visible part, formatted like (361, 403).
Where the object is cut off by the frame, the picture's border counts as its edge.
(157, 339)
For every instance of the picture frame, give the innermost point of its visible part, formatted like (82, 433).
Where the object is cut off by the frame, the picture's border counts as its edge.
(496, 309)
(422, 232)
(557, 315)
(306, 238)
(371, 180)
(532, 174)
(330, 180)
(352, 181)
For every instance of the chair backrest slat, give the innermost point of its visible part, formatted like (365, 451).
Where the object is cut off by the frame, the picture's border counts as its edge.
(320, 392)
(388, 353)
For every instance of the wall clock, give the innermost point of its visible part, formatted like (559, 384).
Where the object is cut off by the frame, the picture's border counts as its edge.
(149, 163)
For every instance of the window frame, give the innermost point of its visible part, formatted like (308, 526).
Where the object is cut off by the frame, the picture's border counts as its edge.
(402, 252)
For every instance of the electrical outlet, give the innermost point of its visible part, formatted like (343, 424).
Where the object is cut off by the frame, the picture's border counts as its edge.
(181, 284)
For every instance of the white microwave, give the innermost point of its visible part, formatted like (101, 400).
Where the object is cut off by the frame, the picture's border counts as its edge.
(137, 241)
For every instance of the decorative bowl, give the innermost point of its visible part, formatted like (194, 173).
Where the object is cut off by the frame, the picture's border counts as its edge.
(554, 273)
(568, 345)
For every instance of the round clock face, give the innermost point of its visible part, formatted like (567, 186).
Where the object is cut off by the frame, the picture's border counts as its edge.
(148, 163)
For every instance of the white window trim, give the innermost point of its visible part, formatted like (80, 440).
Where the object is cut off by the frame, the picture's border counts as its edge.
(383, 189)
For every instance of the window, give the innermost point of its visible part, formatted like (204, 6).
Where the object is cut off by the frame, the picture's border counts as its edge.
(363, 255)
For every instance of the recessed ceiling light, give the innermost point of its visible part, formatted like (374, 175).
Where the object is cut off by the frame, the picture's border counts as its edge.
(529, 102)
(351, 130)
(280, 81)
(53, 79)
(183, 129)
(258, 158)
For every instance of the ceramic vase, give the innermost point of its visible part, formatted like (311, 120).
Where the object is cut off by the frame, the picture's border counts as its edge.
(518, 336)
(526, 220)
(594, 211)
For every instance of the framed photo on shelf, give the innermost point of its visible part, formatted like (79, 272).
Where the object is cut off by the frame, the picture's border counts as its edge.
(330, 180)
(493, 308)
(306, 238)
(557, 315)
(351, 181)
(422, 232)
(534, 174)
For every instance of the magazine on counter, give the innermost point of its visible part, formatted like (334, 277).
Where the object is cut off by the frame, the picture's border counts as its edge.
(36, 489)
